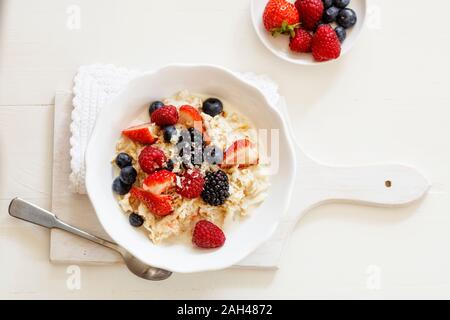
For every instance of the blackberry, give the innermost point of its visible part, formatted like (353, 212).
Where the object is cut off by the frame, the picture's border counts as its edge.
(216, 189)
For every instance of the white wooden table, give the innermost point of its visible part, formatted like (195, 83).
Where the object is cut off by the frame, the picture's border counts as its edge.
(386, 101)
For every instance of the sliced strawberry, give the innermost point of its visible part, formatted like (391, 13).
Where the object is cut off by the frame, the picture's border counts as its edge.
(159, 181)
(144, 133)
(242, 153)
(190, 117)
(159, 205)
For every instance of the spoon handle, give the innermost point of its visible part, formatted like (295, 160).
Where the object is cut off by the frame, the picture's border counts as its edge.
(27, 211)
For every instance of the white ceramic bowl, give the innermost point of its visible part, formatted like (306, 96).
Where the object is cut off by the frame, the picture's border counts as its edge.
(279, 46)
(244, 236)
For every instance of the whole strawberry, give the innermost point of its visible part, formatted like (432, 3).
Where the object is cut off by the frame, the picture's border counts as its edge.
(301, 42)
(310, 12)
(325, 44)
(280, 17)
(207, 235)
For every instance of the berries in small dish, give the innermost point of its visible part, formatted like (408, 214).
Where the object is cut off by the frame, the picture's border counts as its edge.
(279, 18)
(199, 169)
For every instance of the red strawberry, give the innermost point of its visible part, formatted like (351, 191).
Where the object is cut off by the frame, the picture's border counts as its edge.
(280, 17)
(242, 152)
(325, 44)
(191, 185)
(159, 182)
(151, 158)
(207, 235)
(301, 42)
(310, 12)
(144, 133)
(165, 116)
(191, 118)
(159, 205)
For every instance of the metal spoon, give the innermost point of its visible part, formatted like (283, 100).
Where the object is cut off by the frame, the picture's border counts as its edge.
(24, 210)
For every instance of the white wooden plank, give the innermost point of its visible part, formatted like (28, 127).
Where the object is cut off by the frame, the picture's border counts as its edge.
(25, 136)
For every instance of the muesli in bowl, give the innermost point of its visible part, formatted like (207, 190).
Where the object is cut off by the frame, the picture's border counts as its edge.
(190, 170)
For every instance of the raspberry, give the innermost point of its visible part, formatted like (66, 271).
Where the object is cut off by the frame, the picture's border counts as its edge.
(191, 184)
(165, 116)
(310, 12)
(207, 235)
(301, 42)
(325, 44)
(151, 159)
(216, 190)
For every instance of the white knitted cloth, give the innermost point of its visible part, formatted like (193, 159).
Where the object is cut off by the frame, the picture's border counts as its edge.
(94, 87)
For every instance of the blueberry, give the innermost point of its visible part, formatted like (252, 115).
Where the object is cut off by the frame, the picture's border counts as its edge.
(169, 131)
(346, 18)
(327, 3)
(341, 3)
(341, 33)
(169, 165)
(123, 160)
(213, 155)
(128, 175)
(155, 106)
(330, 14)
(136, 220)
(212, 107)
(120, 188)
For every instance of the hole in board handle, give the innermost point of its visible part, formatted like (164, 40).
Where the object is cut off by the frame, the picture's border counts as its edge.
(388, 183)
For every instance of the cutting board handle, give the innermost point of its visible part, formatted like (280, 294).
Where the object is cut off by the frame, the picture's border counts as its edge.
(383, 185)
(377, 185)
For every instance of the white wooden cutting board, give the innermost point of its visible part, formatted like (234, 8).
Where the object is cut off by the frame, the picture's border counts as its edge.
(380, 185)
(77, 210)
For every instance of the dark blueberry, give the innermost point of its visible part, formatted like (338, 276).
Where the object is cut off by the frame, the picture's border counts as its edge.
(341, 3)
(346, 18)
(128, 175)
(120, 188)
(213, 155)
(169, 131)
(330, 14)
(327, 3)
(155, 106)
(123, 160)
(213, 107)
(341, 33)
(169, 165)
(136, 220)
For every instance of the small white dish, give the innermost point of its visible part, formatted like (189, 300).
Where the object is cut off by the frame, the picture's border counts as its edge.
(279, 46)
